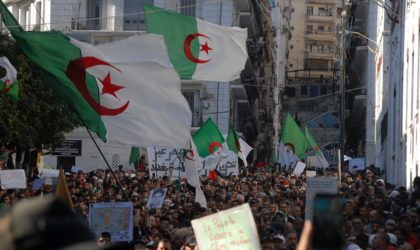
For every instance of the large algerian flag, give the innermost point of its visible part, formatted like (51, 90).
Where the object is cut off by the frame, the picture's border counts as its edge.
(125, 91)
(198, 49)
(293, 143)
(208, 139)
(9, 83)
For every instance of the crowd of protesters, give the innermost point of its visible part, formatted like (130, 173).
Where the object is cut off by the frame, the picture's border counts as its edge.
(377, 215)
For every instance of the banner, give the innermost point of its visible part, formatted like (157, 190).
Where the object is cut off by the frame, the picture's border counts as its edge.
(156, 198)
(49, 173)
(229, 229)
(318, 185)
(11, 179)
(160, 160)
(115, 218)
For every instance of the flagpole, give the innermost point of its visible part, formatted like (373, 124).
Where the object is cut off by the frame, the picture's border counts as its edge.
(107, 164)
(156, 165)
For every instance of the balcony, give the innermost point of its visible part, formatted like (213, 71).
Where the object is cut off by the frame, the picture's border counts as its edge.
(315, 35)
(327, 55)
(321, 18)
(322, 1)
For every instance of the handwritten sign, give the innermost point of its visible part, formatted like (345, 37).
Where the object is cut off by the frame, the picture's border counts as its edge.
(310, 173)
(229, 229)
(162, 158)
(357, 164)
(11, 179)
(300, 167)
(228, 165)
(115, 218)
(49, 173)
(156, 198)
(318, 185)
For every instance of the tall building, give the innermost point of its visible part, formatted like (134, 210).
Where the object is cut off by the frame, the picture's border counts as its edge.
(247, 103)
(313, 69)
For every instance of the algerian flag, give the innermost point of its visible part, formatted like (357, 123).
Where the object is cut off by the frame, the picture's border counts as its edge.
(208, 139)
(245, 149)
(293, 143)
(233, 141)
(126, 91)
(198, 49)
(134, 156)
(9, 83)
(192, 164)
(316, 149)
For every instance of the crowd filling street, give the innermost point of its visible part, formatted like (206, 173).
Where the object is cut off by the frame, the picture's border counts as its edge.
(377, 215)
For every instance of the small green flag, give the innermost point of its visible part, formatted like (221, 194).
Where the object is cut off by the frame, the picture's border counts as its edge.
(208, 139)
(134, 156)
(233, 141)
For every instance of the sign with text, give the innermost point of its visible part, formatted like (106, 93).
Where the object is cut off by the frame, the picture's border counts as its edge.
(318, 185)
(11, 179)
(227, 166)
(161, 159)
(229, 229)
(49, 173)
(69, 148)
(115, 218)
(300, 167)
(357, 164)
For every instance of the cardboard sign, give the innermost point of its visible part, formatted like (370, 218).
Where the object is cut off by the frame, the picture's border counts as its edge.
(49, 173)
(161, 159)
(357, 164)
(310, 173)
(156, 198)
(115, 218)
(229, 229)
(318, 185)
(11, 179)
(300, 167)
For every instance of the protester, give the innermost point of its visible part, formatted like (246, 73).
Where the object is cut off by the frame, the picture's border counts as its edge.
(376, 213)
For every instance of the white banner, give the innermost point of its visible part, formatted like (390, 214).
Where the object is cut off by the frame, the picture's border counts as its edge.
(162, 158)
(11, 179)
(49, 173)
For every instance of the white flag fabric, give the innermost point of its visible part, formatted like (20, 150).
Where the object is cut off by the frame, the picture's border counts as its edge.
(245, 149)
(11, 73)
(192, 165)
(140, 98)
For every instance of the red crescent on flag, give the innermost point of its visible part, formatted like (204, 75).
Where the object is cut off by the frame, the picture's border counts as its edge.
(187, 48)
(213, 146)
(190, 155)
(76, 72)
(291, 146)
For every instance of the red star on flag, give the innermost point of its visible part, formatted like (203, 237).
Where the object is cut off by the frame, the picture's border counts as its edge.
(109, 87)
(205, 47)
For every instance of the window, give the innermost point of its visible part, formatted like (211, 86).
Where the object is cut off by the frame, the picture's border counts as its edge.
(188, 7)
(323, 12)
(309, 29)
(94, 11)
(133, 14)
(339, 10)
(321, 28)
(304, 90)
(316, 64)
(193, 99)
(310, 11)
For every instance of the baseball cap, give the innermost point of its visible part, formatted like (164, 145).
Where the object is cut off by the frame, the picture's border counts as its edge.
(279, 237)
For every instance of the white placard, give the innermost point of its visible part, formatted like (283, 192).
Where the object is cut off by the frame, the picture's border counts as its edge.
(318, 185)
(357, 164)
(156, 198)
(115, 218)
(11, 179)
(310, 173)
(49, 173)
(165, 157)
(229, 229)
(300, 167)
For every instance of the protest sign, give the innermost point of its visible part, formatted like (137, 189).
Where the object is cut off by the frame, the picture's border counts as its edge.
(300, 167)
(49, 173)
(357, 164)
(310, 173)
(229, 229)
(37, 184)
(11, 179)
(228, 165)
(75, 169)
(115, 218)
(162, 158)
(318, 185)
(156, 198)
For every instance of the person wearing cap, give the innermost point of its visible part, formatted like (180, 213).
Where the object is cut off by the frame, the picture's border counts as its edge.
(104, 239)
(279, 242)
(151, 245)
(190, 243)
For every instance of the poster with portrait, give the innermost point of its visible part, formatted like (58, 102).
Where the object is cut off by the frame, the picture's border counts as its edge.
(156, 198)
